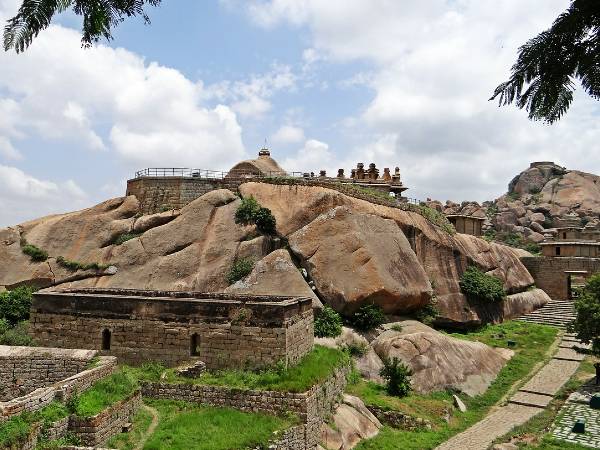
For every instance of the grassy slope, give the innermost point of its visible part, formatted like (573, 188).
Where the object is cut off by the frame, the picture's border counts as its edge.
(17, 428)
(532, 342)
(105, 393)
(128, 441)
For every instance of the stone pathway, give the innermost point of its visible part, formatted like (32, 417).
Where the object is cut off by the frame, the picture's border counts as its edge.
(150, 429)
(577, 407)
(556, 312)
(527, 402)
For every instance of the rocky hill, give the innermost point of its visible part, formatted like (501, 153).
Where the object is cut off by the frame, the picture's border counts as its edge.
(352, 251)
(539, 200)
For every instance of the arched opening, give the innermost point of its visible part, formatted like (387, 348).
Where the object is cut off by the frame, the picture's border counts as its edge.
(195, 345)
(106, 339)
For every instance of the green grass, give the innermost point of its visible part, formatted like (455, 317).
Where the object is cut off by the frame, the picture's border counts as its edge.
(105, 393)
(122, 238)
(128, 441)
(76, 265)
(312, 369)
(186, 426)
(532, 341)
(17, 428)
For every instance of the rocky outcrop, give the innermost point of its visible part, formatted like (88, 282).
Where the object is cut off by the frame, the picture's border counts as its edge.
(275, 274)
(439, 361)
(351, 423)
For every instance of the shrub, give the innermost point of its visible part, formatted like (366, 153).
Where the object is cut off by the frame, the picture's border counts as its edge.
(35, 253)
(534, 248)
(15, 335)
(489, 235)
(76, 265)
(122, 238)
(587, 314)
(250, 212)
(479, 286)
(367, 317)
(240, 268)
(15, 304)
(328, 323)
(436, 217)
(396, 327)
(397, 376)
(356, 348)
(428, 313)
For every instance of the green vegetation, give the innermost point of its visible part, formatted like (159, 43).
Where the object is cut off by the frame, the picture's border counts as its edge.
(397, 377)
(397, 327)
(435, 217)
(489, 235)
(240, 269)
(35, 253)
(312, 369)
(76, 265)
(356, 348)
(184, 426)
(17, 428)
(513, 196)
(15, 304)
(479, 286)
(367, 317)
(15, 335)
(328, 323)
(428, 313)
(251, 213)
(122, 238)
(532, 342)
(128, 441)
(514, 240)
(587, 309)
(105, 393)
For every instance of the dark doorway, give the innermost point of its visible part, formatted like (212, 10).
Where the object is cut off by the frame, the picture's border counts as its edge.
(106, 339)
(194, 345)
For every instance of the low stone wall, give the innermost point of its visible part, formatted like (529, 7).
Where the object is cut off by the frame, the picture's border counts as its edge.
(61, 390)
(300, 437)
(23, 369)
(315, 404)
(100, 428)
(57, 429)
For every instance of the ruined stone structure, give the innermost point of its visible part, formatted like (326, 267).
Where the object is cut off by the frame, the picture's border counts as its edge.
(223, 330)
(162, 189)
(559, 276)
(467, 224)
(585, 249)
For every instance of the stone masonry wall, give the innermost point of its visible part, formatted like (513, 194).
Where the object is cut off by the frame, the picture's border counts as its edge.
(23, 369)
(549, 273)
(159, 329)
(100, 428)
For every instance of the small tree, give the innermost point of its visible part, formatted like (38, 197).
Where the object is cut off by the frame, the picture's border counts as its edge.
(15, 304)
(368, 317)
(397, 376)
(587, 319)
(480, 286)
(328, 323)
(251, 213)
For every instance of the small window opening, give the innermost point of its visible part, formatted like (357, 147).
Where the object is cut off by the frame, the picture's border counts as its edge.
(557, 250)
(106, 339)
(564, 235)
(194, 345)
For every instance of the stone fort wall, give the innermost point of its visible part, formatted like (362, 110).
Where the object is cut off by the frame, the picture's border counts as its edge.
(551, 274)
(172, 327)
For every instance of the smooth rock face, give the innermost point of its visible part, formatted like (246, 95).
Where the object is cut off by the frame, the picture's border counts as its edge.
(356, 259)
(439, 361)
(275, 273)
(353, 423)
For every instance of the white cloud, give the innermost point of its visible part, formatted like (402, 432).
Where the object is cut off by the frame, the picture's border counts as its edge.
(21, 193)
(288, 134)
(312, 157)
(433, 65)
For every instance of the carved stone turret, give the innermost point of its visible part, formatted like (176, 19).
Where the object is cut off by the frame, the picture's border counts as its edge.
(386, 174)
(322, 173)
(353, 173)
(373, 172)
(360, 171)
(340, 173)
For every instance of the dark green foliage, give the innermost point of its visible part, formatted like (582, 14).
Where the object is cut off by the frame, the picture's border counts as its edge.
(489, 235)
(99, 17)
(543, 78)
(428, 313)
(397, 377)
(356, 348)
(105, 393)
(240, 268)
(479, 286)
(126, 237)
(15, 304)
(513, 196)
(76, 265)
(328, 323)
(587, 320)
(15, 430)
(251, 213)
(367, 317)
(533, 248)
(35, 253)
(15, 335)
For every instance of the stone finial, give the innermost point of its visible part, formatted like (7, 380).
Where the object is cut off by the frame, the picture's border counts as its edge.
(312, 174)
(373, 172)
(340, 173)
(396, 177)
(352, 173)
(386, 174)
(264, 152)
(322, 173)
(360, 171)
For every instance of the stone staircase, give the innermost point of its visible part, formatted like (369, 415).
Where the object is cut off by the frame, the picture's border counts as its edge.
(556, 312)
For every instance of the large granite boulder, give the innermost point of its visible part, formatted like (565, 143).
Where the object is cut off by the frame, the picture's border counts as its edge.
(275, 274)
(439, 361)
(356, 258)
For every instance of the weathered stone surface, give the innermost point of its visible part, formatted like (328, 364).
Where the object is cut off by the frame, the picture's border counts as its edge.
(369, 365)
(361, 258)
(275, 273)
(459, 403)
(353, 423)
(144, 223)
(439, 361)
(537, 227)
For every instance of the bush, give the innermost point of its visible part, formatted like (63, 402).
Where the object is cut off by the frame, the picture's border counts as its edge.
(251, 213)
(35, 253)
(15, 335)
(533, 248)
(15, 304)
(367, 317)
(240, 269)
(328, 323)
(397, 377)
(356, 348)
(122, 238)
(587, 318)
(479, 286)
(76, 265)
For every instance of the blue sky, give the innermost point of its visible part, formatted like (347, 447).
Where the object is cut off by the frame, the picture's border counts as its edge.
(328, 84)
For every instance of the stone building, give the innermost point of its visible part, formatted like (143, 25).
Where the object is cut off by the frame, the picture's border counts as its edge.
(571, 248)
(467, 224)
(222, 330)
(264, 165)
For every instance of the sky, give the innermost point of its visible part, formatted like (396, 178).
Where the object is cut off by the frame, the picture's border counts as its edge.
(326, 83)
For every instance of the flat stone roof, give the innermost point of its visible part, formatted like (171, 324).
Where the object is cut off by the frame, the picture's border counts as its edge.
(465, 216)
(10, 351)
(590, 243)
